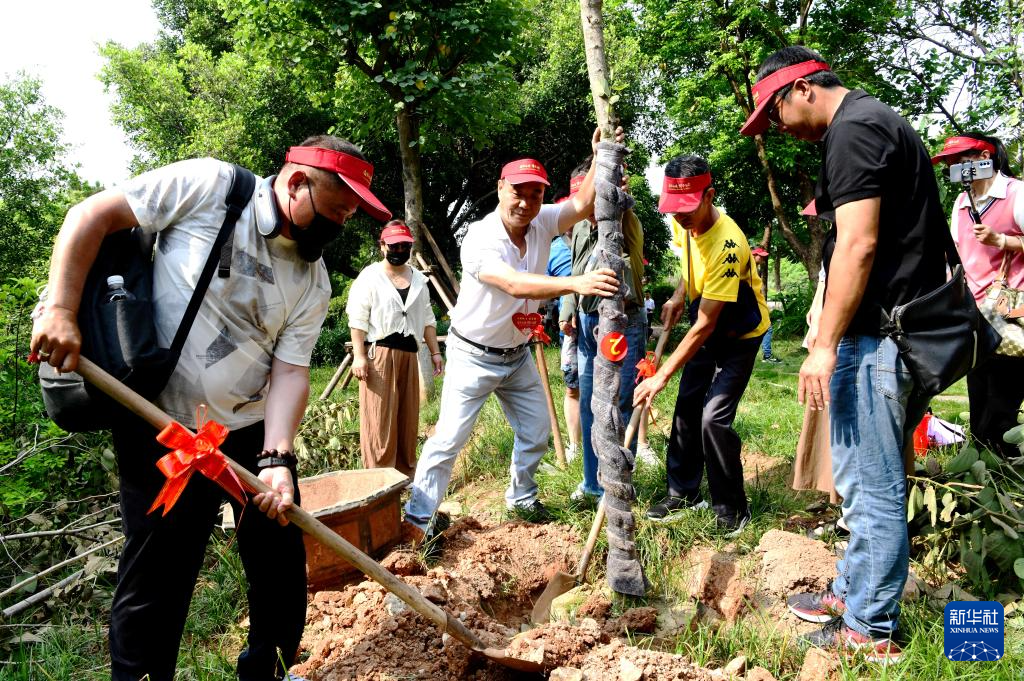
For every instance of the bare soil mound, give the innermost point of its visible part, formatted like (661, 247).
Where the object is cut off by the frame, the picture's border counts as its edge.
(488, 578)
(791, 563)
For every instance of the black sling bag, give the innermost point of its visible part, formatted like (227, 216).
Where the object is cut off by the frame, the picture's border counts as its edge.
(941, 335)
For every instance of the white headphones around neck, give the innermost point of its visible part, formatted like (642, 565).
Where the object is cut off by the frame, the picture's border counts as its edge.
(268, 216)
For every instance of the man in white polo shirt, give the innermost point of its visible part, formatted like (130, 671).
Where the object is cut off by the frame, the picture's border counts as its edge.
(504, 257)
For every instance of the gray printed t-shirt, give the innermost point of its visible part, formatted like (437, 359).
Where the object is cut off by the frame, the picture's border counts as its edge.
(272, 305)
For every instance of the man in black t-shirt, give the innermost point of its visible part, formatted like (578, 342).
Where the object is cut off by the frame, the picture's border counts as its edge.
(885, 249)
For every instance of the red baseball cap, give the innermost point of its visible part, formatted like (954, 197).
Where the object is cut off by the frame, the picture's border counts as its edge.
(759, 251)
(955, 146)
(682, 194)
(765, 89)
(396, 233)
(354, 172)
(574, 186)
(525, 170)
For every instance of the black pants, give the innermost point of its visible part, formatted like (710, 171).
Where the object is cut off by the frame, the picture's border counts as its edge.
(996, 390)
(702, 434)
(163, 554)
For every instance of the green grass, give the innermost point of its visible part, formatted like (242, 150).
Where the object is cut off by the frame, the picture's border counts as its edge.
(74, 641)
(768, 421)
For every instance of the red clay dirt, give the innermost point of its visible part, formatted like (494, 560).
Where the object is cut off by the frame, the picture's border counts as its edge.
(488, 577)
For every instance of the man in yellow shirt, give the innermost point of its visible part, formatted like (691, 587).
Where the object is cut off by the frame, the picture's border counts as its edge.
(728, 316)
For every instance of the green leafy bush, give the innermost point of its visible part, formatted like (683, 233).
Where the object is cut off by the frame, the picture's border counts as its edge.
(328, 439)
(38, 460)
(330, 345)
(791, 321)
(969, 514)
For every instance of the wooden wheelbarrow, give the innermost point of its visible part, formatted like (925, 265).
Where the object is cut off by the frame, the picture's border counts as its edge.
(372, 569)
(562, 581)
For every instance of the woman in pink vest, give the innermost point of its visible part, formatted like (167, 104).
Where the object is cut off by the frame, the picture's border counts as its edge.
(996, 388)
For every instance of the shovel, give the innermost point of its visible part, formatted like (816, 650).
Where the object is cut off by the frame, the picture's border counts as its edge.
(563, 582)
(372, 569)
(556, 433)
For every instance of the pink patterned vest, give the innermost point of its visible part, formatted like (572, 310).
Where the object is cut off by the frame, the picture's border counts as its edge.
(981, 262)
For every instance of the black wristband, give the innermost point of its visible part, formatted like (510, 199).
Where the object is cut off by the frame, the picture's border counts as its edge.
(269, 458)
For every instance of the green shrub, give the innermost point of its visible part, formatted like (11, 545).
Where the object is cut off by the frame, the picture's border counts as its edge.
(968, 515)
(330, 346)
(661, 292)
(791, 321)
(328, 439)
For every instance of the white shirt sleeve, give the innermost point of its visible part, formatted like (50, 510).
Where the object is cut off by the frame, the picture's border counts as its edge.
(297, 339)
(161, 197)
(479, 252)
(358, 305)
(428, 311)
(547, 219)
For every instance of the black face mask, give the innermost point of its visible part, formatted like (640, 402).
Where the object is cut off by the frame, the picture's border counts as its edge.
(397, 258)
(312, 238)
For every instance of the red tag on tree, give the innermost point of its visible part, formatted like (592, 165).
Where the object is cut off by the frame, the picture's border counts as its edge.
(614, 346)
(526, 322)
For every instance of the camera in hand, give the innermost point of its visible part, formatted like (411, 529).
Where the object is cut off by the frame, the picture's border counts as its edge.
(968, 171)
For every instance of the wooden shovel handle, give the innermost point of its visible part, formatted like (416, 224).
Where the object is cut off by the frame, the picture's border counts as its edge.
(634, 423)
(413, 598)
(556, 433)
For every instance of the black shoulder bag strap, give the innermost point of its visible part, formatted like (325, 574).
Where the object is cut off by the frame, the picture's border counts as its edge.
(242, 185)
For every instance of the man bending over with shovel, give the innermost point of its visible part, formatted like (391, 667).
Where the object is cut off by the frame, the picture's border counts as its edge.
(728, 315)
(246, 358)
(504, 257)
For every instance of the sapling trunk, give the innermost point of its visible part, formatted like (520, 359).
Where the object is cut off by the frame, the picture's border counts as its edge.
(625, 574)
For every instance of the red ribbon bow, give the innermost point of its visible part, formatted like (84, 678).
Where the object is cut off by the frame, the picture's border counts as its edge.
(193, 452)
(646, 367)
(539, 334)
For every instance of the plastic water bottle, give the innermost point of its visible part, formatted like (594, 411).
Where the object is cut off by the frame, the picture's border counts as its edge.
(116, 290)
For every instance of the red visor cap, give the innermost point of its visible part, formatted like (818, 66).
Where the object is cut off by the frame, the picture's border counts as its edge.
(354, 172)
(682, 194)
(759, 251)
(811, 209)
(958, 145)
(525, 170)
(396, 234)
(766, 88)
(574, 186)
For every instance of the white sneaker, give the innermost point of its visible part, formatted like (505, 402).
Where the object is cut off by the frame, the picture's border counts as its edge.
(645, 453)
(571, 452)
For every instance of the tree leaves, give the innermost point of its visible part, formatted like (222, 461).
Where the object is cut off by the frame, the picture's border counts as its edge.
(979, 522)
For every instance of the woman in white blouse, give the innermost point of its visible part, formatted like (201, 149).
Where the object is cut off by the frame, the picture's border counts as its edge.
(389, 314)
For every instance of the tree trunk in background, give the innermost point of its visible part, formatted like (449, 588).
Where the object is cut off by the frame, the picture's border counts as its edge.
(412, 183)
(625, 574)
(778, 271)
(412, 177)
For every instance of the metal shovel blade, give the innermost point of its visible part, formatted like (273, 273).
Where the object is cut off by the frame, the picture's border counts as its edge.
(559, 584)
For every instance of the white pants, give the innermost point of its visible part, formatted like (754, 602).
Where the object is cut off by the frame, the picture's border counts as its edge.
(470, 377)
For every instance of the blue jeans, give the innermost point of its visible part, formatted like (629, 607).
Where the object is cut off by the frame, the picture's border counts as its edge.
(471, 376)
(636, 337)
(874, 410)
(766, 343)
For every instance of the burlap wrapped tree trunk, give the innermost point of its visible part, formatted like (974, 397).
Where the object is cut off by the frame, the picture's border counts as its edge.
(625, 574)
